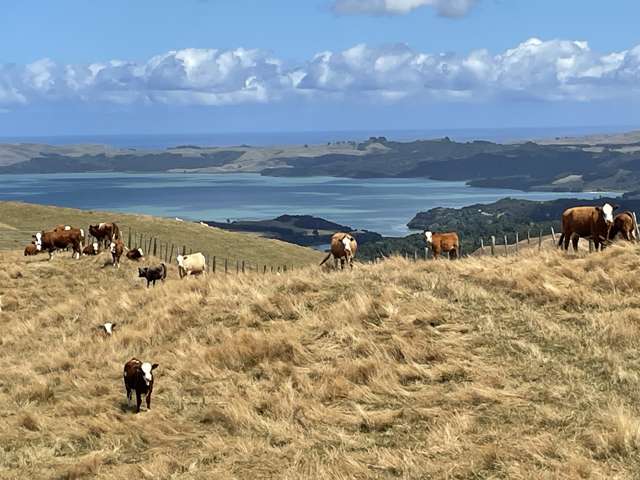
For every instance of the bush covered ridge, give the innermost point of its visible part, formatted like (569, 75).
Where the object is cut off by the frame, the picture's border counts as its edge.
(517, 367)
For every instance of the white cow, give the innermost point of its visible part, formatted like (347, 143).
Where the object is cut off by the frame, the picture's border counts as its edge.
(192, 264)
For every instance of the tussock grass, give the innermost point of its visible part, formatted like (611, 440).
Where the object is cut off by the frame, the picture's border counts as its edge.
(519, 367)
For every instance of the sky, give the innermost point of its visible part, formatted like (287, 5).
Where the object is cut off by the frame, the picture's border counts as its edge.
(73, 67)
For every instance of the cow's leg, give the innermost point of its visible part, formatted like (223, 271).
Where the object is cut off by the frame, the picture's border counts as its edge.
(561, 241)
(567, 239)
(342, 262)
(574, 241)
(149, 400)
(128, 394)
(335, 263)
(138, 401)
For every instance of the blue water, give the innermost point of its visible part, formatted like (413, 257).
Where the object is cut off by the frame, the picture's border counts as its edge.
(313, 138)
(381, 205)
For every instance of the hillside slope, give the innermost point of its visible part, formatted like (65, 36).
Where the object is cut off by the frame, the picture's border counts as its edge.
(18, 221)
(517, 367)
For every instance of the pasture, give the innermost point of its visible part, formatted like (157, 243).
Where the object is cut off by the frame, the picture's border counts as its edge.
(18, 221)
(515, 367)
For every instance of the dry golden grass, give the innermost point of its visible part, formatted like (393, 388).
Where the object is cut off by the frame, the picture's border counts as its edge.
(520, 367)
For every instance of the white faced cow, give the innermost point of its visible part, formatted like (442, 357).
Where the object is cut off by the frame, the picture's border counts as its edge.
(59, 240)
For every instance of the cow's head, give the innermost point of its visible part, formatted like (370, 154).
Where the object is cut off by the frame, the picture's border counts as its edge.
(142, 272)
(95, 247)
(147, 368)
(180, 260)
(428, 236)
(108, 327)
(346, 242)
(113, 247)
(607, 212)
(140, 252)
(38, 240)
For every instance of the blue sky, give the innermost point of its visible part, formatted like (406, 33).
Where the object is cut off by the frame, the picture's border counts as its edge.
(159, 66)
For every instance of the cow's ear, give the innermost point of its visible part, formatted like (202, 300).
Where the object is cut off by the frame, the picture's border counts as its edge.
(615, 207)
(598, 209)
(154, 366)
(113, 325)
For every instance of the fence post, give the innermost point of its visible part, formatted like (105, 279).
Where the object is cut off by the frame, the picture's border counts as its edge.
(155, 246)
(265, 270)
(242, 266)
(506, 246)
(540, 241)
(590, 245)
(493, 245)
(553, 235)
(171, 255)
(517, 240)
(529, 236)
(284, 268)
(415, 255)
(226, 265)
(426, 253)
(213, 264)
(184, 250)
(140, 242)
(129, 239)
(482, 245)
(635, 224)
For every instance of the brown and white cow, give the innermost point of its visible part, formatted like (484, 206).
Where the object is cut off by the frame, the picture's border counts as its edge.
(443, 243)
(138, 376)
(343, 248)
(93, 249)
(105, 233)
(59, 240)
(586, 222)
(135, 254)
(192, 264)
(623, 224)
(30, 250)
(117, 248)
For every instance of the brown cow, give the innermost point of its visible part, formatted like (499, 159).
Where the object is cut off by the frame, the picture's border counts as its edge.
(30, 249)
(586, 222)
(105, 233)
(93, 249)
(443, 243)
(135, 254)
(138, 376)
(343, 248)
(624, 224)
(117, 248)
(60, 239)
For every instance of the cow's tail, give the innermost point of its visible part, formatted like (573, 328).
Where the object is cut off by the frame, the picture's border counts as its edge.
(325, 259)
(164, 271)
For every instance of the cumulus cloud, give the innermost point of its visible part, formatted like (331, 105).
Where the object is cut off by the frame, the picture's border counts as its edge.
(447, 8)
(554, 70)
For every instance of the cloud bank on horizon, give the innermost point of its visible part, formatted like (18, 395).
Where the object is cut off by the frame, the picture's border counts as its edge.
(552, 71)
(446, 8)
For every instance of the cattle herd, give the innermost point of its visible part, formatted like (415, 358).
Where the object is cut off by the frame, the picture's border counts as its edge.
(594, 223)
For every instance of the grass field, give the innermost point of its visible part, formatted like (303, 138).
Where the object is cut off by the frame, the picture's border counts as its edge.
(18, 221)
(515, 367)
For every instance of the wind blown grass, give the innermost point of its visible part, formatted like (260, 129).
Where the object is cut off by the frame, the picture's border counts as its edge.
(514, 367)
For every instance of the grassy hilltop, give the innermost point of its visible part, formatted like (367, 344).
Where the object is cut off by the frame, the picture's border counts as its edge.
(511, 367)
(18, 221)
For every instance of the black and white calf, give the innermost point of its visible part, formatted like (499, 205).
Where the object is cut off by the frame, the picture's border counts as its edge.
(138, 376)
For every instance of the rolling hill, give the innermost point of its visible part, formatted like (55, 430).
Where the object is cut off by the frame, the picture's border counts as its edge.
(512, 367)
(18, 221)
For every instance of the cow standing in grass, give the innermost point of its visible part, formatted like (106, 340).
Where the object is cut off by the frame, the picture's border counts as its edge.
(138, 376)
(625, 225)
(105, 233)
(59, 240)
(343, 249)
(192, 264)
(117, 248)
(587, 222)
(439, 243)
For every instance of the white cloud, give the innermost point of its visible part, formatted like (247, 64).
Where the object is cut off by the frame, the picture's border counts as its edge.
(554, 70)
(447, 8)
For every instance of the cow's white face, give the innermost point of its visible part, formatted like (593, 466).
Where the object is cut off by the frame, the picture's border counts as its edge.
(95, 246)
(346, 241)
(39, 241)
(146, 371)
(113, 247)
(428, 237)
(140, 251)
(180, 260)
(607, 210)
(108, 327)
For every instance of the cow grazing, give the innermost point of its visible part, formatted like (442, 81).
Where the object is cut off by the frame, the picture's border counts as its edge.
(59, 240)
(138, 376)
(135, 254)
(117, 248)
(93, 249)
(105, 233)
(343, 248)
(586, 222)
(193, 264)
(623, 224)
(443, 243)
(152, 274)
(107, 328)
(30, 250)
